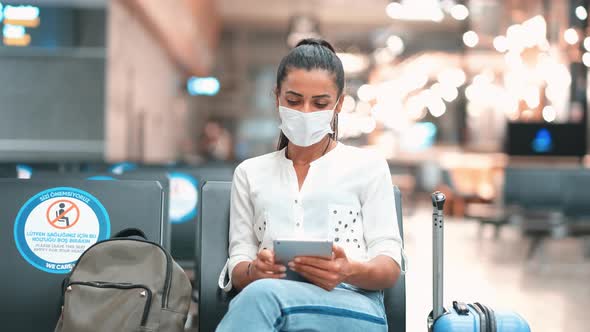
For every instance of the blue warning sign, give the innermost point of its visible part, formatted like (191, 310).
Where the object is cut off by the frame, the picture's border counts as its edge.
(184, 197)
(57, 225)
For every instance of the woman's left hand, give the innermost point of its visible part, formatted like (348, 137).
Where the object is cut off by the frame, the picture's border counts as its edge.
(325, 273)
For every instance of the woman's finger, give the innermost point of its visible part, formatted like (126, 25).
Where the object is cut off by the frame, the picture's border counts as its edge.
(316, 281)
(267, 256)
(272, 268)
(265, 275)
(260, 273)
(320, 263)
(319, 273)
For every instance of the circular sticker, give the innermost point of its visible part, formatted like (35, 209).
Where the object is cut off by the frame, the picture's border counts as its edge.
(184, 197)
(57, 225)
(101, 178)
(24, 171)
(121, 168)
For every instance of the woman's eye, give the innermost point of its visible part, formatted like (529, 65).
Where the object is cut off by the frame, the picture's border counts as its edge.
(292, 102)
(321, 105)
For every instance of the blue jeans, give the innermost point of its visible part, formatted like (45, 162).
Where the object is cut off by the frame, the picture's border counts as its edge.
(284, 305)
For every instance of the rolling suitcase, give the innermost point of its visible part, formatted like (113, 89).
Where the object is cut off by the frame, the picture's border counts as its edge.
(462, 317)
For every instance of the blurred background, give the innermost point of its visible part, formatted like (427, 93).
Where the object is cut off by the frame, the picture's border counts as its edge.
(483, 99)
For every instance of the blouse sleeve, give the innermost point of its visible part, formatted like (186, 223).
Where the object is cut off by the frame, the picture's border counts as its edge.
(242, 239)
(380, 225)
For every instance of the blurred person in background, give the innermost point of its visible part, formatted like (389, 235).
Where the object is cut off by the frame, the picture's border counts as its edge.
(216, 143)
(313, 187)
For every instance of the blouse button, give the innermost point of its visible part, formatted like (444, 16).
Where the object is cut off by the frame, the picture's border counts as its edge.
(298, 224)
(335, 212)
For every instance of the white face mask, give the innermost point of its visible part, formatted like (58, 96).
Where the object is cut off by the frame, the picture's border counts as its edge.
(305, 129)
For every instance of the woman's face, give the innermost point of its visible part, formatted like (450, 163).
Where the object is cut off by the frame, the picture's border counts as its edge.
(309, 91)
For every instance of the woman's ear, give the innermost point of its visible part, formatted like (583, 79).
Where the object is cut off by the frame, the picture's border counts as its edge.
(276, 93)
(338, 107)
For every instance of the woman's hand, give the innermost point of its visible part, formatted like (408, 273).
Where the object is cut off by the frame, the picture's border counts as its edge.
(264, 267)
(325, 273)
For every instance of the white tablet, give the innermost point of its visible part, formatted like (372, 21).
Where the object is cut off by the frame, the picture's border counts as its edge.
(287, 249)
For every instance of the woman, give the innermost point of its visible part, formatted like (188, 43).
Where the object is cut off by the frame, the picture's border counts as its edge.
(312, 187)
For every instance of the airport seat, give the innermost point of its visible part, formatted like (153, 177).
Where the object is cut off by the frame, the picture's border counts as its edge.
(576, 207)
(181, 231)
(212, 253)
(162, 178)
(31, 283)
(183, 243)
(532, 199)
(539, 201)
(7, 171)
(533, 193)
(538, 189)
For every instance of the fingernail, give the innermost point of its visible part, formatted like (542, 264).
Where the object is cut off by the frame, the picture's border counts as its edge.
(291, 264)
(297, 260)
(283, 269)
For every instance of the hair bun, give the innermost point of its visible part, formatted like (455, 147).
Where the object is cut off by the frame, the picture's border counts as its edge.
(316, 42)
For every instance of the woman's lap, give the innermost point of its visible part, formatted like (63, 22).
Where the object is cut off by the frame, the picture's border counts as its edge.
(283, 305)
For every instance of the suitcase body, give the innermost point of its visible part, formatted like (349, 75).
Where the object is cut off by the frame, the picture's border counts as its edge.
(462, 317)
(506, 321)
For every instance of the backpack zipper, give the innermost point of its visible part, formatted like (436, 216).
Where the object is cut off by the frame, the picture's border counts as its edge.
(167, 281)
(100, 284)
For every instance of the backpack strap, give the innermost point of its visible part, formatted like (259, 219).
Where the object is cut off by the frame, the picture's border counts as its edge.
(129, 232)
(64, 285)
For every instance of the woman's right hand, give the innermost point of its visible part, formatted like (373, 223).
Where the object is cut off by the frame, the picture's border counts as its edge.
(264, 267)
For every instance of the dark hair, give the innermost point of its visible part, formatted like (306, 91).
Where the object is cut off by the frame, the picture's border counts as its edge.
(308, 54)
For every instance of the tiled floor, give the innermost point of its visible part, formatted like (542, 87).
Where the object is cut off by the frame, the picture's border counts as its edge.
(552, 290)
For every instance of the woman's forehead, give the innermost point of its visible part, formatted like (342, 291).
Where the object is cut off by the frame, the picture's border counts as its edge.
(309, 82)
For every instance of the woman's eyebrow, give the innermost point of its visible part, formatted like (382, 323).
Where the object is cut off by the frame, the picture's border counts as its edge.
(314, 97)
(294, 93)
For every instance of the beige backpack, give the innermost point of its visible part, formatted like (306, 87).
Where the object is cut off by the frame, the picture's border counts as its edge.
(125, 284)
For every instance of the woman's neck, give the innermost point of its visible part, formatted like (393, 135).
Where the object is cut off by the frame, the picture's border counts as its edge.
(305, 155)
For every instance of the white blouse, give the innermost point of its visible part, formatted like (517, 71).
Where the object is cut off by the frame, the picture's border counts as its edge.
(347, 196)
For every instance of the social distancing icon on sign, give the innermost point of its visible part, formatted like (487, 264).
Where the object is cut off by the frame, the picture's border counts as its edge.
(63, 214)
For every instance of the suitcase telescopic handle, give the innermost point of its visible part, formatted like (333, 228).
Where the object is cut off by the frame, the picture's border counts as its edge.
(438, 202)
